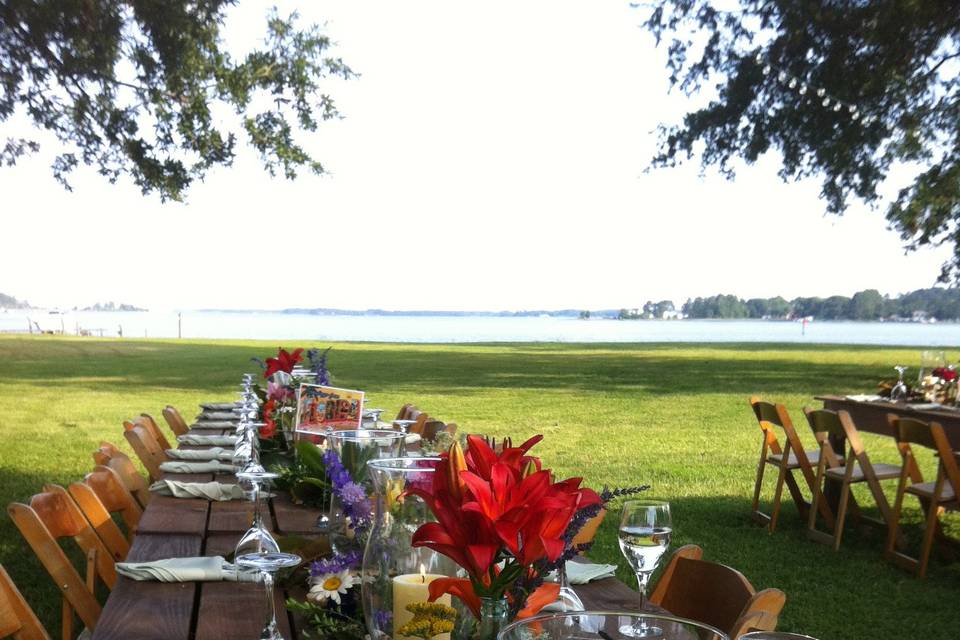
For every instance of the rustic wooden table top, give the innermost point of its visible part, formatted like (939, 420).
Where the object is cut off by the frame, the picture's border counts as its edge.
(176, 527)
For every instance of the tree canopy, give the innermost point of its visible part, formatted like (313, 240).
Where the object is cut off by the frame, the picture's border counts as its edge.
(843, 89)
(148, 89)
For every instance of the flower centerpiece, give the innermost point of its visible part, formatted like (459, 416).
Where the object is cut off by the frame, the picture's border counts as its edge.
(502, 519)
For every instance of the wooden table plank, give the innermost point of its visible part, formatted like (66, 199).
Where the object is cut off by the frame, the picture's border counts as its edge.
(872, 416)
(231, 516)
(167, 515)
(292, 518)
(237, 611)
(151, 610)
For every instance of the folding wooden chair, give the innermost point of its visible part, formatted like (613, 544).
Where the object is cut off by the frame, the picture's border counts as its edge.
(421, 422)
(116, 498)
(932, 495)
(108, 455)
(834, 425)
(100, 519)
(150, 452)
(405, 412)
(177, 424)
(792, 456)
(16, 617)
(52, 515)
(148, 423)
(715, 594)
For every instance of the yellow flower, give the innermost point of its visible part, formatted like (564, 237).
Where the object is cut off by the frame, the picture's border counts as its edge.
(429, 619)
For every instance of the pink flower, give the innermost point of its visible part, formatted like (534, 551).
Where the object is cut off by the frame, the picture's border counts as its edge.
(278, 392)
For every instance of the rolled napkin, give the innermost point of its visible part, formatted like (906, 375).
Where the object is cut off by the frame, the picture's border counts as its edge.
(206, 490)
(207, 416)
(584, 572)
(212, 569)
(216, 453)
(200, 440)
(218, 406)
(412, 438)
(180, 466)
(211, 424)
(866, 398)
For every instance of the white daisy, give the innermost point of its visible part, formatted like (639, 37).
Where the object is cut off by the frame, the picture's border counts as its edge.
(331, 585)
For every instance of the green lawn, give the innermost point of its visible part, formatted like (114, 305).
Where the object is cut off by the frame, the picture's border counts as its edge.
(673, 416)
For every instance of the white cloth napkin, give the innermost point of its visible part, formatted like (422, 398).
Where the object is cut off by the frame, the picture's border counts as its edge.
(207, 416)
(180, 466)
(206, 490)
(215, 453)
(584, 572)
(185, 570)
(863, 397)
(412, 438)
(214, 424)
(200, 440)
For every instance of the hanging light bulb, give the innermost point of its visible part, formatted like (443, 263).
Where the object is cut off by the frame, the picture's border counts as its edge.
(759, 58)
(855, 116)
(793, 83)
(782, 76)
(836, 106)
(803, 89)
(821, 92)
(826, 102)
(766, 70)
(852, 108)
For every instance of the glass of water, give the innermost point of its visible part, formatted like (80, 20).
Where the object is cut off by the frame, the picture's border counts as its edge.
(645, 529)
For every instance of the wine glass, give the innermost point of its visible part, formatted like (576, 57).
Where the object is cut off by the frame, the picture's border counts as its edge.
(645, 529)
(899, 390)
(269, 563)
(256, 539)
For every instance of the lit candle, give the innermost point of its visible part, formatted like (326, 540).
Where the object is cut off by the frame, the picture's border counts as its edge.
(409, 588)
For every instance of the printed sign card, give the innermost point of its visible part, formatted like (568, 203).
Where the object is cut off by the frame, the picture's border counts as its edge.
(320, 407)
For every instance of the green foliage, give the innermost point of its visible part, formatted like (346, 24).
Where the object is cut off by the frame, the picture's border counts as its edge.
(896, 61)
(305, 478)
(324, 623)
(147, 89)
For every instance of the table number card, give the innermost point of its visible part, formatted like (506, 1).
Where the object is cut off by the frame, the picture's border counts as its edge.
(320, 407)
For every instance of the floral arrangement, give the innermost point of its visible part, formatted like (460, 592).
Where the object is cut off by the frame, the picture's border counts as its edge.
(278, 410)
(502, 518)
(353, 498)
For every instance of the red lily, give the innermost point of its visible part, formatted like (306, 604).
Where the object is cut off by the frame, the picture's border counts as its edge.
(270, 426)
(283, 362)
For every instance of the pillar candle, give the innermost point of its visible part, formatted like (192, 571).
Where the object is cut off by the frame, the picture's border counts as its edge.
(407, 589)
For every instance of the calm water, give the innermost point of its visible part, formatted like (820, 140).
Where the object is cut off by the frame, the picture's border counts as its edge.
(280, 326)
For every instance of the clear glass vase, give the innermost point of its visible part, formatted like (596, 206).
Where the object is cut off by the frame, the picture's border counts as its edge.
(494, 614)
(356, 447)
(396, 574)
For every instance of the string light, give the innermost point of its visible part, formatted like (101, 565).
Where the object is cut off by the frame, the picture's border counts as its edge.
(829, 102)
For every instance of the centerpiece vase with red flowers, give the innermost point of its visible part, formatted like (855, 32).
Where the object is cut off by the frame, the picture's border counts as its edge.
(501, 518)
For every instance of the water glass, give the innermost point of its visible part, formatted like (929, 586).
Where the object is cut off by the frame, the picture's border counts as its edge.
(645, 530)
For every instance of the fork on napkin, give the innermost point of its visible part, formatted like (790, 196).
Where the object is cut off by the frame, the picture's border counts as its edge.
(208, 569)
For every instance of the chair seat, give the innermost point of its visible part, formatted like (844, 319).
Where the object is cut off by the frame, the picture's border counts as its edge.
(925, 490)
(813, 456)
(881, 470)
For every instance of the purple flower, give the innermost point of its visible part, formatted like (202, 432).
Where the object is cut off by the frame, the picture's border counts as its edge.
(384, 620)
(335, 564)
(352, 496)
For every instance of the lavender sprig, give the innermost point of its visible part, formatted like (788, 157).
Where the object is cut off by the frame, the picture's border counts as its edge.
(335, 564)
(352, 496)
(318, 362)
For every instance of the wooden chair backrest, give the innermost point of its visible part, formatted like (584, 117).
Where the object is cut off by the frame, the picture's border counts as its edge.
(825, 425)
(146, 418)
(108, 455)
(177, 424)
(16, 617)
(53, 515)
(762, 612)
(99, 518)
(708, 592)
(431, 428)
(148, 423)
(147, 449)
(421, 421)
(115, 496)
(909, 431)
(775, 415)
(404, 413)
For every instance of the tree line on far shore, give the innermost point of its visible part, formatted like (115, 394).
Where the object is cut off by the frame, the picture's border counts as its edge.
(922, 304)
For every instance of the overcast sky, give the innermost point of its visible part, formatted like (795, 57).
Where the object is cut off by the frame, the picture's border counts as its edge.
(492, 157)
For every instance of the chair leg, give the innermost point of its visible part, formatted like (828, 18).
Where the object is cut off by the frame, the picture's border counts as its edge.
(928, 534)
(777, 495)
(757, 486)
(841, 515)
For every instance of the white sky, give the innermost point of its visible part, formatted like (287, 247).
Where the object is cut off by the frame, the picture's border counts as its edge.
(491, 157)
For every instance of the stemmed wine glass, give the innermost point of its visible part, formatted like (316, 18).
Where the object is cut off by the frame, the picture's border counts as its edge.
(899, 390)
(645, 529)
(269, 563)
(256, 539)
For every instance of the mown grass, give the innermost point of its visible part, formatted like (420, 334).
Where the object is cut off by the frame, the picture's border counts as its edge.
(673, 416)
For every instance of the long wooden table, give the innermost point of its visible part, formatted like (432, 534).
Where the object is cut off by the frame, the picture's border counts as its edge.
(872, 416)
(177, 527)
